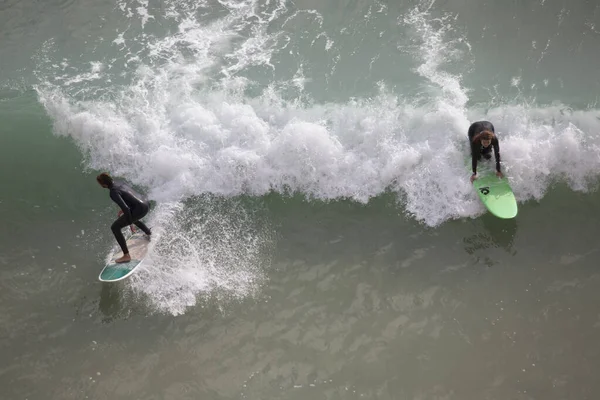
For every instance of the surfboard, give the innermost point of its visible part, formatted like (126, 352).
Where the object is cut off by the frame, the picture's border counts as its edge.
(495, 193)
(138, 248)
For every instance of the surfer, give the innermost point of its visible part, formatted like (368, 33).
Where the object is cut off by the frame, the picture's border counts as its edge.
(134, 208)
(482, 139)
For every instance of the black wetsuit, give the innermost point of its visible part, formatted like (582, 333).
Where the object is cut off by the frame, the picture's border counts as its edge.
(134, 208)
(477, 150)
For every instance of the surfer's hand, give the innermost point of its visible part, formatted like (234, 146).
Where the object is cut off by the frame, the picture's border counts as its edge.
(499, 174)
(473, 177)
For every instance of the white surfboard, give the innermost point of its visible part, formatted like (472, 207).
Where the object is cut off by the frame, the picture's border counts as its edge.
(138, 248)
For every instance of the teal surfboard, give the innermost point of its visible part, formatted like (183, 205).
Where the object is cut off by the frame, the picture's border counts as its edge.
(138, 248)
(495, 193)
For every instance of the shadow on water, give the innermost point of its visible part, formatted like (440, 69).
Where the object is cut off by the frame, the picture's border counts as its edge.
(112, 302)
(119, 302)
(496, 233)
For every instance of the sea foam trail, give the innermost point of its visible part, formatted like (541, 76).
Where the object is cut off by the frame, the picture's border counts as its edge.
(206, 246)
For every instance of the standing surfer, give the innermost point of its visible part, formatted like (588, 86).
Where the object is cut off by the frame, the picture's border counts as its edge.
(482, 139)
(134, 208)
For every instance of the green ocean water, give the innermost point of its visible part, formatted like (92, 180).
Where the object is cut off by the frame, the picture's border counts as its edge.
(316, 233)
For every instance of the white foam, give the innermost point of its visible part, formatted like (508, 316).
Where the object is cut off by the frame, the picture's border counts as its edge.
(205, 246)
(162, 134)
(184, 127)
(142, 11)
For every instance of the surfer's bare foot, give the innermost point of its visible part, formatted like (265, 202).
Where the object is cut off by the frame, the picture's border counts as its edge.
(124, 259)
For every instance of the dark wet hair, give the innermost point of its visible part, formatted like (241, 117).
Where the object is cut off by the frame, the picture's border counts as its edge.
(104, 179)
(484, 135)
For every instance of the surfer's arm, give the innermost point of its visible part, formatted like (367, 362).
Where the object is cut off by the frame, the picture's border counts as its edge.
(497, 155)
(121, 203)
(473, 159)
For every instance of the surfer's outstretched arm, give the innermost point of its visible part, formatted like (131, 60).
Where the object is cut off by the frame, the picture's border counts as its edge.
(497, 154)
(496, 146)
(474, 151)
(474, 161)
(474, 158)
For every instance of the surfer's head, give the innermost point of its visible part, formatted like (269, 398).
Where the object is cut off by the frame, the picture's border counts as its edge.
(484, 137)
(104, 180)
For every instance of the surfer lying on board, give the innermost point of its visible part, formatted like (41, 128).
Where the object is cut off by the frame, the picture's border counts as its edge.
(482, 138)
(134, 208)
